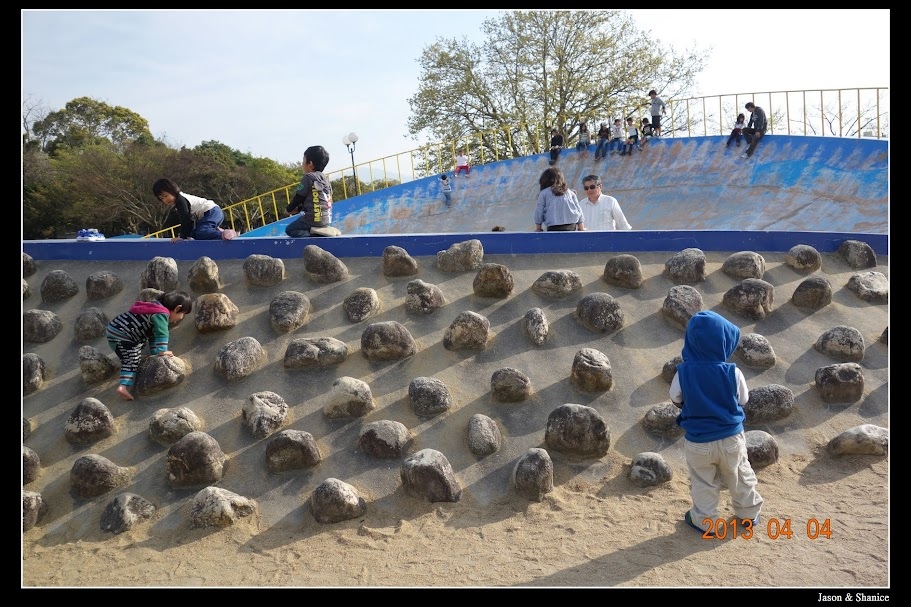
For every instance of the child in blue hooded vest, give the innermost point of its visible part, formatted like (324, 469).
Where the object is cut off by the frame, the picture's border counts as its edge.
(711, 393)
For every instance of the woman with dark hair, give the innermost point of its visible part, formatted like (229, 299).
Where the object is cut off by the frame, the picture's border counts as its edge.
(558, 207)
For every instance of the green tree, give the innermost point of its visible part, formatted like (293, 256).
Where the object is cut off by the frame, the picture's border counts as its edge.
(538, 70)
(86, 121)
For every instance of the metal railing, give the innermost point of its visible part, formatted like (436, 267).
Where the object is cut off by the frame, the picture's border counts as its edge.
(856, 113)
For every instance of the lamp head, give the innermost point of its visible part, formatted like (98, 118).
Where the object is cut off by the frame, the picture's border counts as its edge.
(346, 140)
(352, 136)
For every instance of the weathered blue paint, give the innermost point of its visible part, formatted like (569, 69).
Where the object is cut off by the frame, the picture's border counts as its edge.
(677, 193)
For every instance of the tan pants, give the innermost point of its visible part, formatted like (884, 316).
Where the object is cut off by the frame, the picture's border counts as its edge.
(719, 461)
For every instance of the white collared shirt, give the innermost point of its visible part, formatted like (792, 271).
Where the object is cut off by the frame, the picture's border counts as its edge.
(605, 214)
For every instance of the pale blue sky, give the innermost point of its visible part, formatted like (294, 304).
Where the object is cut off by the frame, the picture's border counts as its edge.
(272, 82)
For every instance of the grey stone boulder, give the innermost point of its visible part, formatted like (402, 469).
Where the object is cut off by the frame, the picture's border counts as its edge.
(160, 273)
(264, 413)
(102, 285)
(768, 403)
(752, 298)
(744, 264)
(661, 420)
(681, 302)
(159, 373)
(509, 385)
(323, 267)
(493, 280)
(288, 311)
(89, 423)
(349, 397)
(535, 326)
(872, 287)
(93, 475)
(469, 331)
(484, 437)
(857, 254)
(648, 469)
(842, 343)
(428, 474)
(429, 396)
(29, 267)
(591, 371)
(239, 358)
(292, 450)
(600, 312)
(557, 284)
(623, 271)
(762, 448)
(90, 324)
(31, 465)
(577, 429)
(669, 369)
(334, 501)
(461, 257)
(814, 293)
(167, 426)
(33, 508)
(40, 326)
(397, 262)
(263, 270)
(686, 267)
(865, 439)
(389, 340)
(315, 352)
(423, 298)
(840, 383)
(755, 351)
(215, 312)
(217, 507)
(533, 475)
(196, 459)
(803, 258)
(361, 304)
(58, 286)
(125, 511)
(385, 439)
(34, 372)
(203, 276)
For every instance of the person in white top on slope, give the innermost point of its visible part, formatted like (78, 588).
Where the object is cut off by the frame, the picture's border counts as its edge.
(602, 212)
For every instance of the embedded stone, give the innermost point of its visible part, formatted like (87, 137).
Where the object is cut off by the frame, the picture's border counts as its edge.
(350, 397)
(423, 298)
(89, 423)
(840, 383)
(686, 267)
(334, 501)
(533, 474)
(215, 312)
(264, 270)
(461, 257)
(203, 276)
(600, 312)
(361, 304)
(217, 507)
(397, 262)
(101, 285)
(752, 298)
(557, 284)
(803, 258)
(535, 326)
(428, 474)
(93, 475)
(429, 396)
(768, 403)
(264, 413)
(484, 435)
(239, 358)
(58, 286)
(493, 280)
(755, 351)
(577, 429)
(857, 254)
(315, 352)
(509, 385)
(744, 264)
(124, 511)
(288, 311)
(168, 426)
(469, 331)
(161, 274)
(762, 448)
(842, 343)
(385, 439)
(681, 303)
(591, 371)
(872, 287)
(292, 450)
(866, 439)
(90, 324)
(623, 271)
(661, 420)
(195, 459)
(649, 469)
(40, 326)
(388, 340)
(814, 293)
(322, 266)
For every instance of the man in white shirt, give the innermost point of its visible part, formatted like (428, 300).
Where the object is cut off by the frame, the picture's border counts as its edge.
(602, 212)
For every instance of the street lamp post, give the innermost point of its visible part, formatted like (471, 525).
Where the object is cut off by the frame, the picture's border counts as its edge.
(350, 140)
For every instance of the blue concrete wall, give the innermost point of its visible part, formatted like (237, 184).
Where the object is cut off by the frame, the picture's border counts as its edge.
(677, 193)
(791, 183)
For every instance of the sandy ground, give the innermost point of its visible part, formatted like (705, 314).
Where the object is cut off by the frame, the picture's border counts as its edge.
(597, 528)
